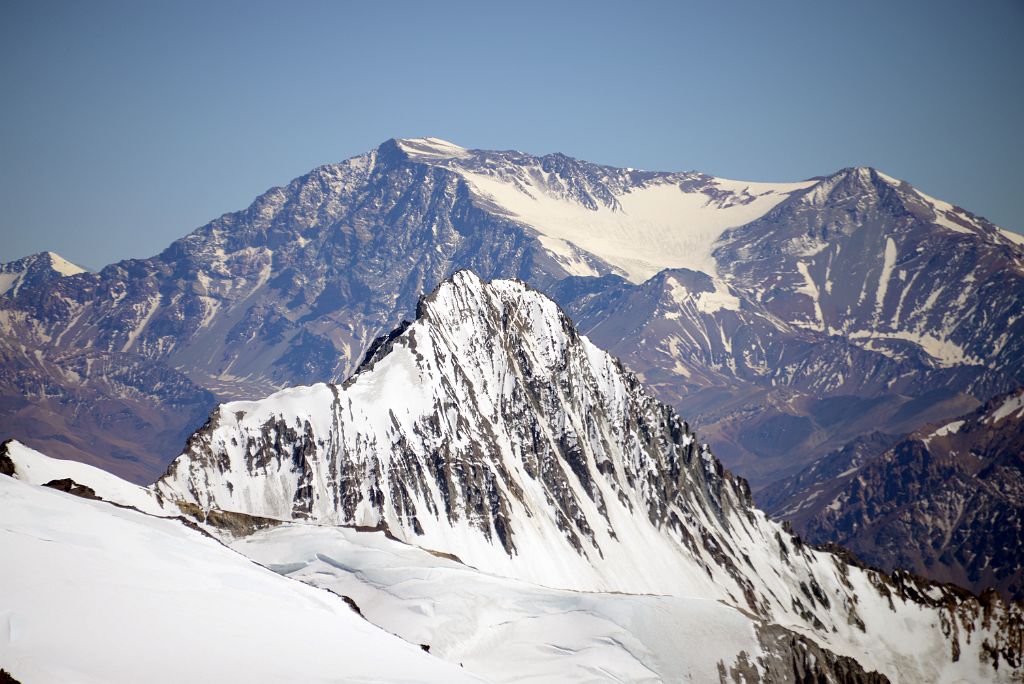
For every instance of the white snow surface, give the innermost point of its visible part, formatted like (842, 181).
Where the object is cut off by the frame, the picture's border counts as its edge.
(506, 630)
(94, 593)
(653, 228)
(951, 217)
(945, 213)
(949, 429)
(10, 281)
(944, 352)
(568, 256)
(155, 587)
(889, 261)
(432, 148)
(36, 468)
(810, 289)
(707, 302)
(63, 266)
(1013, 236)
(1011, 406)
(944, 431)
(649, 226)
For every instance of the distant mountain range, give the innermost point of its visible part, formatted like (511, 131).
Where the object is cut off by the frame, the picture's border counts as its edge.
(946, 501)
(784, 319)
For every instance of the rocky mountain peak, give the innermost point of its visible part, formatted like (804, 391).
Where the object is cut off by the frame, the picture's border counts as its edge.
(504, 424)
(35, 269)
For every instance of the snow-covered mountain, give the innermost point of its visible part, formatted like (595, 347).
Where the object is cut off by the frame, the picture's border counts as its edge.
(34, 270)
(487, 428)
(829, 312)
(850, 258)
(946, 501)
(697, 283)
(490, 485)
(489, 431)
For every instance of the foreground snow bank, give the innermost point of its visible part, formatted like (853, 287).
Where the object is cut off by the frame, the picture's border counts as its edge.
(94, 593)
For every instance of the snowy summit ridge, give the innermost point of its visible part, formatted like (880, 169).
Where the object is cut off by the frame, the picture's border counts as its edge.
(35, 269)
(638, 222)
(431, 148)
(499, 408)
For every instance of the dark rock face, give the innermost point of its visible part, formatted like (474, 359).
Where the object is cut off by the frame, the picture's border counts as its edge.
(790, 657)
(109, 409)
(946, 502)
(71, 487)
(859, 256)
(793, 498)
(766, 393)
(117, 367)
(6, 463)
(6, 678)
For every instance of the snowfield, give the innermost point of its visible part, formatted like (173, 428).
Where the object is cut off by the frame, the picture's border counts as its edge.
(506, 630)
(671, 221)
(94, 593)
(489, 430)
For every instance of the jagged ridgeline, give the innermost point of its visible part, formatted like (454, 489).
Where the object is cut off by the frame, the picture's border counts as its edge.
(488, 429)
(784, 318)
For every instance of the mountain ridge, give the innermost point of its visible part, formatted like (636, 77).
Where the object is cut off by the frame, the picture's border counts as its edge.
(294, 288)
(944, 501)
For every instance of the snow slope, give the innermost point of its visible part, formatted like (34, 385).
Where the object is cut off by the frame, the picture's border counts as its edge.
(37, 266)
(651, 228)
(644, 223)
(506, 630)
(1012, 404)
(94, 593)
(35, 468)
(62, 265)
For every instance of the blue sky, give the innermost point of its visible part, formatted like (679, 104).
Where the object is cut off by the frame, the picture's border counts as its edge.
(124, 126)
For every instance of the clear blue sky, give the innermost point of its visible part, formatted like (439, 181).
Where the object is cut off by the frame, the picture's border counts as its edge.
(126, 125)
